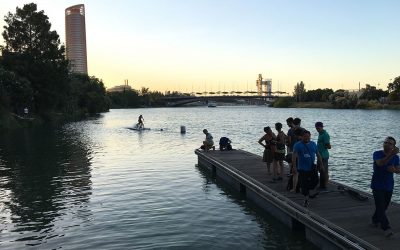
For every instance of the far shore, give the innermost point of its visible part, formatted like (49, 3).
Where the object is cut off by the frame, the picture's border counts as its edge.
(329, 105)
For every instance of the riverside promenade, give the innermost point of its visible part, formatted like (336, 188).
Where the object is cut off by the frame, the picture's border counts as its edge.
(333, 220)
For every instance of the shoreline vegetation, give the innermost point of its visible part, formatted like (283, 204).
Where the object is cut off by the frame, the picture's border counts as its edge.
(327, 105)
(366, 98)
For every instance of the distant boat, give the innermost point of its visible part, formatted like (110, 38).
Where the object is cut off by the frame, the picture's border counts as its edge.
(212, 104)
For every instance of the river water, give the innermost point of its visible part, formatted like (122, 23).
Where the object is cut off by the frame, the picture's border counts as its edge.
(95, 184)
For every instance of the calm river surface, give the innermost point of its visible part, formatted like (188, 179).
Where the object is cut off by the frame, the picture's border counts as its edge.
(97, 185)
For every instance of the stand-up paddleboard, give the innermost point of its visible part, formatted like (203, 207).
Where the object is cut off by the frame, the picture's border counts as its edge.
(137, 128)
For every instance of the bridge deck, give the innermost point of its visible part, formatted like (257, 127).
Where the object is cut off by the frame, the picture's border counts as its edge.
(332, 214)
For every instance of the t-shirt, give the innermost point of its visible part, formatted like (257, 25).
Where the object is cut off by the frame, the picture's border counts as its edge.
(382, 179)
(305, 155)
(209, 138)
(323, 139)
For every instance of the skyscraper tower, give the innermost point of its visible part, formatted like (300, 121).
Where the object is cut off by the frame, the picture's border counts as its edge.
(75, 35)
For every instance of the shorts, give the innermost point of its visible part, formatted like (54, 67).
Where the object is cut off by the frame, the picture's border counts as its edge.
(288, 158)
(268, 157)
(207, 144)
(308, 180)
(279, 156)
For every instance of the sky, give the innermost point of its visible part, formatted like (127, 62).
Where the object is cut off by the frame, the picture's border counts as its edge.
(222, 45)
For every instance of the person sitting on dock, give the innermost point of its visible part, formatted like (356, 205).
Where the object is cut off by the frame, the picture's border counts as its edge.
(386, 162)
(270, 148)
(209, 142)
(140, 122)
(225, 144)
(304, 153)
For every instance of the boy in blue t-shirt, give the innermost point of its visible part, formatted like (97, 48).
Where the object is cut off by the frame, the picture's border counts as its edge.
(304, 154)
(386, 162)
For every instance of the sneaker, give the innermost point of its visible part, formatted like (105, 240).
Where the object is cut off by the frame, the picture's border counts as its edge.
(322, 190)
(279, 178)
(305, 203)
(388, 233)
(273, 180)
(312, 196)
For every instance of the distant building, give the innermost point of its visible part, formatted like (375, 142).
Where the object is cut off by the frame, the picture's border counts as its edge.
(264, 87)
(120, 88)
(75, 34)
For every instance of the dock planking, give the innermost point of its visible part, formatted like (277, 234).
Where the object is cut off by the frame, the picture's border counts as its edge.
(335, 217)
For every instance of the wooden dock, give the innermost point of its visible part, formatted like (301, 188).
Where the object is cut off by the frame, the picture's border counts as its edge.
(333, 220)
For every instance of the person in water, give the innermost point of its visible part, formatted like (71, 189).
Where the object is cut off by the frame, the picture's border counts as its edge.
(140, 122)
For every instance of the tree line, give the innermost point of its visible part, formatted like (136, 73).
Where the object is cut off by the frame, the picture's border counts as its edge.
(35, 74)
(368, 97)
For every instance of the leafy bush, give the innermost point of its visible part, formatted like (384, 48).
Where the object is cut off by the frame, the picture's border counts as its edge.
(283, 102)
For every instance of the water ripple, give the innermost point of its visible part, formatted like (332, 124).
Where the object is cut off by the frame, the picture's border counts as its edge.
(95, 184)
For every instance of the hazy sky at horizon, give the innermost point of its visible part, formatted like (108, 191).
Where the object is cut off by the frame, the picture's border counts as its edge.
(223, 45)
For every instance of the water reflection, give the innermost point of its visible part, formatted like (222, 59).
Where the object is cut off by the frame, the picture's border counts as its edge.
(274, 236)
(45, 177)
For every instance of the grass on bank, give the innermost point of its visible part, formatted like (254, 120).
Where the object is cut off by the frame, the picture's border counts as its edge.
(289, 102)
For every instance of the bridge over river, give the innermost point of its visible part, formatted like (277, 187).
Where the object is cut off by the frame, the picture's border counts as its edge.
(176, 101)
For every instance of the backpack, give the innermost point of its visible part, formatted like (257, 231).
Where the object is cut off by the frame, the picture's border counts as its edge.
(224, 143)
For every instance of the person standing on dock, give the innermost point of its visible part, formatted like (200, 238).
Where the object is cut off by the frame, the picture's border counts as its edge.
(269, 149)
(304, 153)
(386, 162)
(290, 135)
(323, 144)
(280, 149)
(209, 142)
(296, 134)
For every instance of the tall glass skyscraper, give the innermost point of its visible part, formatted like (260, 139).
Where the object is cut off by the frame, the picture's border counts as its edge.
(75, 33)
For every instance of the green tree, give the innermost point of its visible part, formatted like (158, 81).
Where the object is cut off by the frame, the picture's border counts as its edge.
(33, 51)
(394, 89)
(15, 92)
(343, 99)
(87, 94)
(317, 95)
(125, 99)
(371, 93)
(299, 91)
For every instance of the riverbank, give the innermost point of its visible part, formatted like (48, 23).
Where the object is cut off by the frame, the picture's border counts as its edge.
(324, 105)
(10, 120)
(369, 105)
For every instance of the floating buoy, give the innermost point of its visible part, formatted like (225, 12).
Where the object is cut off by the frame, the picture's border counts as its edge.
(183, 130)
